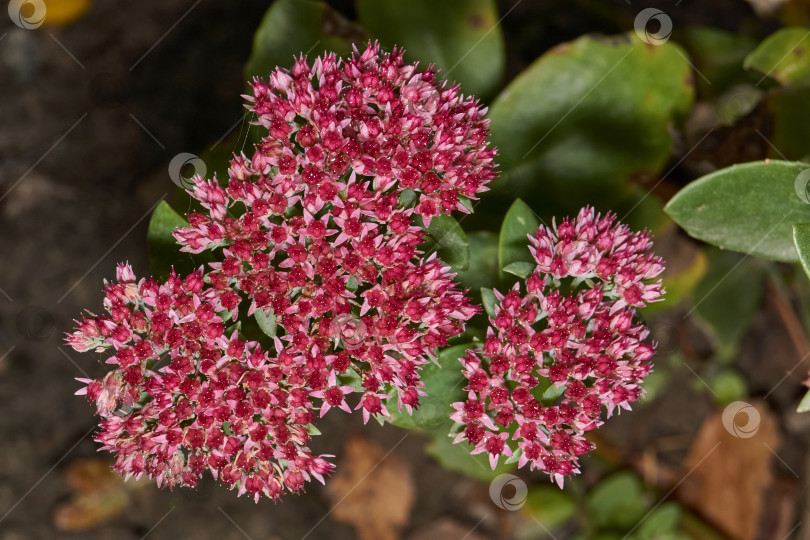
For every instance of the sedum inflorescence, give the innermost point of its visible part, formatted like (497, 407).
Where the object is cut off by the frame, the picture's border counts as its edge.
(316, 229)
(586, 345)
(321, 231)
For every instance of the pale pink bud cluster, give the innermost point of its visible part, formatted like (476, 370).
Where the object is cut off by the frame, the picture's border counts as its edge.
(551, 361)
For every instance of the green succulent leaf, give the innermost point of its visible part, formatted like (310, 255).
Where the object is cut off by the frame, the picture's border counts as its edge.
(728, 385)
(801, 238)
(661, 523)
(552, 393)
(448, 239)
(267, 323)
(727, 298)
(789, 109)
(783, 56)
(463, 38)
(163, 249)
(444, 385)
(293, 27)
(353, 379)
(513, 243)
(616, 502)
(587, 117)
(483, 268)
(489, 300)
(549, 505)
(749, 207)
(719, 56)
(520, 269)
(457, 457)
(408, 198)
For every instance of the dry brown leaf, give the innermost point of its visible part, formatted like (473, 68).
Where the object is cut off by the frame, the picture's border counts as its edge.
(100, 495)
(372, 489)
(730, 473)
(89, 510)
(89, 475)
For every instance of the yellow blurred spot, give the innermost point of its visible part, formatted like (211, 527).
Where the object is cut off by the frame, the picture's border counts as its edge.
(65, 12)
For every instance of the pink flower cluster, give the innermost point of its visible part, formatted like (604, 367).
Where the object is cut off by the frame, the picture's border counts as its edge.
(316, 230)
(342, 272)
(216, 403)
(587, 345)
(376, 117)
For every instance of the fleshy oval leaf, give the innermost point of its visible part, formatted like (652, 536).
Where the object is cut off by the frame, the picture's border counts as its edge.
(783, 56)
(293, 27)
(513, 244)
(463, 38)
(749, 207)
